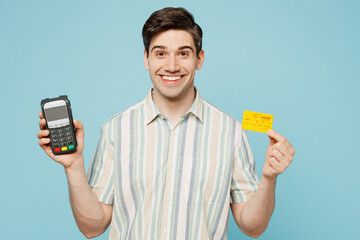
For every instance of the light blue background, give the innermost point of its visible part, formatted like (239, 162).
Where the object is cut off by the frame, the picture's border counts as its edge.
(298, 60)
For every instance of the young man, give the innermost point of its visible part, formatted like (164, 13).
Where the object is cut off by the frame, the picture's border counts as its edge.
(172, 165)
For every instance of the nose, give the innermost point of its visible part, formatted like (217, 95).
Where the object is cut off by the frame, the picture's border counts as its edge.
(172, 65)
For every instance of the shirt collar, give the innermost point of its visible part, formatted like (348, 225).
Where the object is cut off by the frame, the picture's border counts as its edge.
(196, 108)
(153, 112)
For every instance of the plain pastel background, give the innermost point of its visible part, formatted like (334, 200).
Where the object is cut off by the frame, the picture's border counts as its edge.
(298, 60)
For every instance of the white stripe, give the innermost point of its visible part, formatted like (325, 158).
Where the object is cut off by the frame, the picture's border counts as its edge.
(186, 176)
(125, 148)
(223, 219)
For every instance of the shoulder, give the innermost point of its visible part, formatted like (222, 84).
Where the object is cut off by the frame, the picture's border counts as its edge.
(217, 118)
(213, 113)
(112, 122)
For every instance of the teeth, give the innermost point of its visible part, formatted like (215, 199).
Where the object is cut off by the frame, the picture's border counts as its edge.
(171, 78)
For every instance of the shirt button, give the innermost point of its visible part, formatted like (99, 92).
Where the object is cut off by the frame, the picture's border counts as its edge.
(165, 232)
(168, 199)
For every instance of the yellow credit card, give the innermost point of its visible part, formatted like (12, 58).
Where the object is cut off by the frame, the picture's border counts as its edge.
(255, 121)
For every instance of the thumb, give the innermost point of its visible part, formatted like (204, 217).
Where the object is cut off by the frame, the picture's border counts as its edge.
(271, 136)
(79, 129)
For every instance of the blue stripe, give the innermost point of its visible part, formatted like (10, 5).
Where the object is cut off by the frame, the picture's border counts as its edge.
(91, 178)
(248, 163)
(220, 190)
(228, 180)
(224, 235)
(205, 156)
(191, 190)
(179, 176)
(98, 163)
(121, 192)
(131, 169)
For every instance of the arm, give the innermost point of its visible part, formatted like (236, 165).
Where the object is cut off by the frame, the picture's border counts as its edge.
(253, 216)
(91, 216)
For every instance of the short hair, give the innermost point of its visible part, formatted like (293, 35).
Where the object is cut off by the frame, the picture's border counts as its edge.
(171, 18)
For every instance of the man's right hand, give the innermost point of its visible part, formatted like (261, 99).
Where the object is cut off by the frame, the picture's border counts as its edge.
(70, 160)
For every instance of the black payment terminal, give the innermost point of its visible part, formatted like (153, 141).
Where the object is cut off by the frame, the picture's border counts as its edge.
(59, 121)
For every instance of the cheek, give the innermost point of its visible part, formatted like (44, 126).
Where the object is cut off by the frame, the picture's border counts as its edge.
(152, 68)
(155, 66)
(190, 66)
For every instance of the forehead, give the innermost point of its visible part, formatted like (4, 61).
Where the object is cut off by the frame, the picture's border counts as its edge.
(173, 39)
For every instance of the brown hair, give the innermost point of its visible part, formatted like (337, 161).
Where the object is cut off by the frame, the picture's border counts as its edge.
(171, 18)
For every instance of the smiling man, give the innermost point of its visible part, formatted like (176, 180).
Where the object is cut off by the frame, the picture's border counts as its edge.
(171, 166)
(172, 59)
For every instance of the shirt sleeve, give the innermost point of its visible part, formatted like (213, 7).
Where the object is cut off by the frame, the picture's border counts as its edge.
(101, 171)
(244, 180)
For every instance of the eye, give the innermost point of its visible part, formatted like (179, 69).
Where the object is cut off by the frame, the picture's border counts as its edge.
(160, 54)
(184, 54)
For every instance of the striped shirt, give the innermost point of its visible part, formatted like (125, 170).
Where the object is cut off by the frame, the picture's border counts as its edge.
(172, 182)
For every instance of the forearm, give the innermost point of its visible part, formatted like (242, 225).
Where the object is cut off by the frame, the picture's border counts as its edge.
(254, 215)
(87, 210)
(257, 211)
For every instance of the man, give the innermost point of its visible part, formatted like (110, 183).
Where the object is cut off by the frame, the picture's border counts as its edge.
(171, 166)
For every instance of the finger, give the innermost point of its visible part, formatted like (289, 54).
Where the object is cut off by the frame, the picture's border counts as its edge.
(277, 137)
(277, 155)
(284, 156)
(283, 149)
(274, 163)
(44, 142)
(274, 136)
(285, 161)
(45, 145)
(41, 115)
(291, 148)
(43, 133)
(42, 124)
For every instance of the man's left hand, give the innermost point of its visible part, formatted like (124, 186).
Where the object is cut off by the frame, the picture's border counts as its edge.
(279, 155)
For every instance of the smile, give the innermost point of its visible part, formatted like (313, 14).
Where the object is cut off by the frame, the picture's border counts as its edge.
(171, 78)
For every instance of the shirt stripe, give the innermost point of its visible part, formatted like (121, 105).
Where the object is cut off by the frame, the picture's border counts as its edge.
(172, 182)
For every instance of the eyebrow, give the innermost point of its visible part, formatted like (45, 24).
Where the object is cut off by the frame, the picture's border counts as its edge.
(163, 47)
(186, 47)
(157, 46)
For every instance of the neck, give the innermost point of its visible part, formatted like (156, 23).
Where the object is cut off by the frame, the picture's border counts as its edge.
(174, 108)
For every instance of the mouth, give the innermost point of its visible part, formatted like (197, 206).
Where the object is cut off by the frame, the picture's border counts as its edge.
(171, 79)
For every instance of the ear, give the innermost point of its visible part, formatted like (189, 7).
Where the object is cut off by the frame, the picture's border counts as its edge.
(146, 60)
(200, 60)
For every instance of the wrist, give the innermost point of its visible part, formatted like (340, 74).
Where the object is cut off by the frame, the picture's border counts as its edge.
(75, 173)
(76, 166)
(269, 179)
